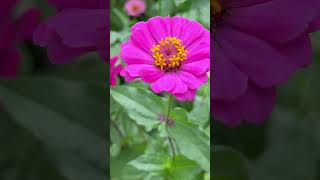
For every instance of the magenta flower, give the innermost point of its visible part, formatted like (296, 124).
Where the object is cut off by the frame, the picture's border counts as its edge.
(172, 54)
(13, 32)
(78, 28)
(135, 7)
(258, 46)
(114, 70)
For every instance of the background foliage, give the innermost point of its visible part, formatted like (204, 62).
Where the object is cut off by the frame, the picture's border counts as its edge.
(139, 144)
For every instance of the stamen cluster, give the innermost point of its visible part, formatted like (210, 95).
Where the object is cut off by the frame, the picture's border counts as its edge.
(169, 53)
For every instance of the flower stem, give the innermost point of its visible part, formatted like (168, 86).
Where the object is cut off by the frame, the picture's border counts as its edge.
(168, 118)
(173, 151)
(169, 107)
(117, 128)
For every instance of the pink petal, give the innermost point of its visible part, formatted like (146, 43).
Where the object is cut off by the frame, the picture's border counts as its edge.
(197, 67)
(266, 64)
(160, 27)
(164, 84)
(188, 95)
(277, 26)
(133, 55)
(180, 87)
(192, 81)
(78, 27)
(227, 81)
(151, 74)
(142, 37)
(134, 70)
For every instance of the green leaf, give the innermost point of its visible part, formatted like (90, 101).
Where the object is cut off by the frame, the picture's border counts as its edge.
(199, 11)
(165, 7)
(22, 156)
(228, 164)
(201, 110)
(291, 148)
(150, 162)
(184, 168)
(191, 140)
(162, 165)
(142, 106)
(116, 22)
(60, 114)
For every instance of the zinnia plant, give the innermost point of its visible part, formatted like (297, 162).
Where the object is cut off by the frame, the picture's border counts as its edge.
(166, 63)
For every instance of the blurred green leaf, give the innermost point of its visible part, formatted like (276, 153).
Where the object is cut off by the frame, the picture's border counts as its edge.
(291, 151)
(59, 114)
(228, 164)
(165, 7)
(22, 156)
(116, 23)
(199, 11)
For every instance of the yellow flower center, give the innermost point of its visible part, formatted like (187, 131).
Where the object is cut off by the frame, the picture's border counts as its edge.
(169, 53)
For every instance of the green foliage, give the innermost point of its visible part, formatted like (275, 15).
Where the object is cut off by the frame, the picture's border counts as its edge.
(191, 140)
(54, 135)
(155, 160)
(143, 106)
(228, 164)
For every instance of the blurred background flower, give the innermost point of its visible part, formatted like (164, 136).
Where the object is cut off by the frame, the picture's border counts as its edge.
(289, 137)
(135, 7)
(77, 28)
(255, 53)
(14, 30)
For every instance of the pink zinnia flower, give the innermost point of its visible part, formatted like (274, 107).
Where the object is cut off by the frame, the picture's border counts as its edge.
(257, 47)
(135, 7)
(114, 70)
(172, 54)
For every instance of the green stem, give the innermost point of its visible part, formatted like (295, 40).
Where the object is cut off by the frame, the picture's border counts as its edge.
(172, 147)
(169, 107)
(168, 114)
(117, 128)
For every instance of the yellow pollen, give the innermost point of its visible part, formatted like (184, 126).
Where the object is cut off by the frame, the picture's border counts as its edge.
(169, 53)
